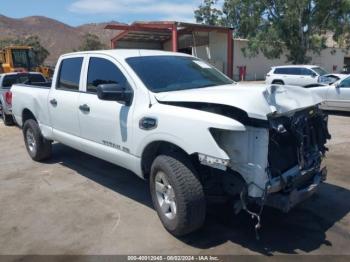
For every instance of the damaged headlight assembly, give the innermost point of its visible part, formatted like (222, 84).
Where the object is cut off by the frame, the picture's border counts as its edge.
(213, 162)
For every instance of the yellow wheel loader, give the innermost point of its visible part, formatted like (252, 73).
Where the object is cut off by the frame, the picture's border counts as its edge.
(21, 59)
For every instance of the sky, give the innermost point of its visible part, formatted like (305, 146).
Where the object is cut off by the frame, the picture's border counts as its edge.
(77, 12)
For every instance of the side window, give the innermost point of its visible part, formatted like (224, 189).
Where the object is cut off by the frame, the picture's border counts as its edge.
(306, 72)
(279, 71)
(284, 71)
(69, 74)
(345, 82)
(294, 71)
(103, 71)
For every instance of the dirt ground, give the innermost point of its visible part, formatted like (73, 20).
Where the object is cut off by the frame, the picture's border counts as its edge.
(78, 204)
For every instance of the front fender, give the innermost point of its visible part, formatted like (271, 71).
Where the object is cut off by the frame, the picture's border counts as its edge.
(187, 128)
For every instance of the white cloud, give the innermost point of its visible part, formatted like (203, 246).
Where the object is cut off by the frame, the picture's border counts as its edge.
(165, 8)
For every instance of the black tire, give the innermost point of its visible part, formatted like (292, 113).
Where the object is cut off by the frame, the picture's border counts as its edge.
(278, 82)
(41, 149)
(8, 119)
(187, 190)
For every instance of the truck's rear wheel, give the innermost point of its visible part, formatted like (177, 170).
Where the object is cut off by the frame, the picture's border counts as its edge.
(177, 194)
(37, 146)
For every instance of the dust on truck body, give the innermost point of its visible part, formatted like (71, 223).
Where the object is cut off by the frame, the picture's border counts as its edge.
(183, 126)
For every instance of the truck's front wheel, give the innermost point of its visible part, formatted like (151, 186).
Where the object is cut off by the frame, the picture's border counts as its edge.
(177, 194)
(37, 146)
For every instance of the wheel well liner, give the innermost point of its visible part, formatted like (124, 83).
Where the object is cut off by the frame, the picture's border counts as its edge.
(26, 115)
(156, 148)
(277, 80)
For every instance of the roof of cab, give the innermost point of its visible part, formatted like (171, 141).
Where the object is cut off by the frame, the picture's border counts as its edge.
(126, 53)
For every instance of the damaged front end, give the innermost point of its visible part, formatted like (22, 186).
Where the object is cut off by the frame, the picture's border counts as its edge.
(280, 160)
(296, 149)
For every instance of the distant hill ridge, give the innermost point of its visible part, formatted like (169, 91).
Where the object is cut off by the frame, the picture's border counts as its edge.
(55, 36)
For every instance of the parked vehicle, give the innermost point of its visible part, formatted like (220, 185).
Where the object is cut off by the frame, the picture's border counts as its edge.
(6, 81)
(299, 75)
(328, 79)
(336, 97)
(179, 123)
(21, 59)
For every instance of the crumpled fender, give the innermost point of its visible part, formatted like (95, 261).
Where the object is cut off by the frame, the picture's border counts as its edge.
(186, 128)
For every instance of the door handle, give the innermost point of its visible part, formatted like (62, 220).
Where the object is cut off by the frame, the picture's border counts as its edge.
(84, 108)
(53, 102)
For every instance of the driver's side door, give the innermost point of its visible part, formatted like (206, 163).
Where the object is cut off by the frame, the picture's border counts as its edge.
(338, 96)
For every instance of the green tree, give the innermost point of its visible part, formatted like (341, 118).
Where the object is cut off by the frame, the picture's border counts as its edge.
(91, 42)
(40, 52)
(208, 14)
(274, 26)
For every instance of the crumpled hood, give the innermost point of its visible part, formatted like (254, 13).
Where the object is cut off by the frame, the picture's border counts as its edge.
(258, 100)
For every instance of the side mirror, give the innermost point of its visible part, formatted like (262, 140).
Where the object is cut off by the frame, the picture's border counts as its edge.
(313, 75)
(115, 92)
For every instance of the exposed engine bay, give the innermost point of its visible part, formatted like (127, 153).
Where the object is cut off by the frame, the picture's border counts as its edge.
(297, 138)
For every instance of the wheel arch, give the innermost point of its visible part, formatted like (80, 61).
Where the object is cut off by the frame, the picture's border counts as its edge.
(155, 148)
(26, 115)
(277, 80)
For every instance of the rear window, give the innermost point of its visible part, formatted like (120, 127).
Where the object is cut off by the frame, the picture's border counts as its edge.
(69, 74)
(10, 80)
(36, 78)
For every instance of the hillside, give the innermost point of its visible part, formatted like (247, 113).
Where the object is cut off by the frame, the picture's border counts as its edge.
(55, 36)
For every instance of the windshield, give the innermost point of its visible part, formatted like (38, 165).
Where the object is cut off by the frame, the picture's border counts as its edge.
(320, 71)
(173, 73)
(23, 58)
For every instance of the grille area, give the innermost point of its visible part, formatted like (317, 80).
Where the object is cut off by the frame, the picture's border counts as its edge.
(297, 139)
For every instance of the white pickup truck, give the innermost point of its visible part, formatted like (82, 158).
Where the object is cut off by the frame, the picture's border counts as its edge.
(179, 123)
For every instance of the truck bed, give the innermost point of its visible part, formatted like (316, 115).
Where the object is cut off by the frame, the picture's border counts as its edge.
(33, 97)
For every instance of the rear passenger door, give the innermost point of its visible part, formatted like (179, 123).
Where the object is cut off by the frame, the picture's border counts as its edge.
(294, 76)
(104, 122)
(288, 75)
(63, 99)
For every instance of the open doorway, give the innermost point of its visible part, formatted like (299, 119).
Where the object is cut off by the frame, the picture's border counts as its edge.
(186, 50)
(346, 68)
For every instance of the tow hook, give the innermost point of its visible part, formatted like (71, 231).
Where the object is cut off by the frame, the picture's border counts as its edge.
(253, 214)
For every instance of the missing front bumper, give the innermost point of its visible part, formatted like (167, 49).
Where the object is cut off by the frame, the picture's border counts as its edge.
(286, 201)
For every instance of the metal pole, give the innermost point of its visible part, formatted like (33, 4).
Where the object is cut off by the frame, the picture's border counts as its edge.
(174, 38)
(229, 53)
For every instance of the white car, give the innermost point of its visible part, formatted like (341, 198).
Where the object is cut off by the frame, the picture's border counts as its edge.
(336, 97)
(179, 123)
(299, 75)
